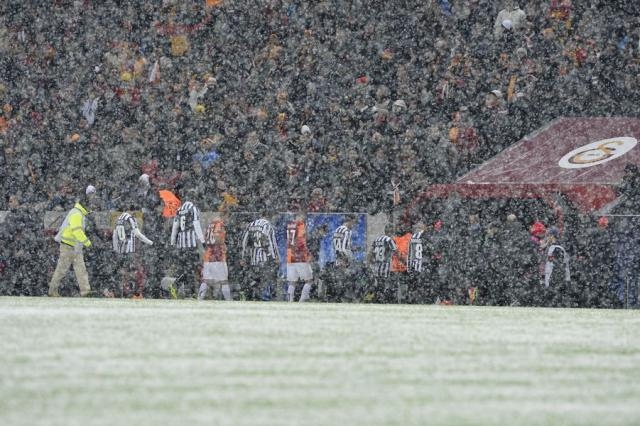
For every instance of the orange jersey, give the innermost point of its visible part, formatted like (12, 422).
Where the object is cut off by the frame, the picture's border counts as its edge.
(171, 203)
(215, 245)
(297, 250)
(399, 257)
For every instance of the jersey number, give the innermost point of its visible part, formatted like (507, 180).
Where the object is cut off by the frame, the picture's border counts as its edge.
(337, 244)
(291, 236)
(379, 253)
(257, 239)
(418, 251)
(183, 223)
(121, 233)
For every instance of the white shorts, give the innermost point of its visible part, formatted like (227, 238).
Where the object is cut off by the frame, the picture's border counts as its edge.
(215, 271)
(299, 271)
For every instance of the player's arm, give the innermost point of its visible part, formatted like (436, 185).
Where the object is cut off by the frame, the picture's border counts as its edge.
(245, 239)
(138, 233)
(142, 237)
(196, 225)
(115, 238)
(273, 245)
(346, 244)
(174, 230)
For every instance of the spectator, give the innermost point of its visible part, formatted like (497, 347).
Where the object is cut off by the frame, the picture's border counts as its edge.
(511, 18)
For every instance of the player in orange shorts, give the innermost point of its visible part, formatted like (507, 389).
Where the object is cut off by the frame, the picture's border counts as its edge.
(298, 258)
(214, 268)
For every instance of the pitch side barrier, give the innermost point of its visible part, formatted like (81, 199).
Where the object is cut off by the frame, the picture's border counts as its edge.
(625, 243)
(318, 225)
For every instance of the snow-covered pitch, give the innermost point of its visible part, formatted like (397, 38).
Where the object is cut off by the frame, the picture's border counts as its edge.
(151, 362)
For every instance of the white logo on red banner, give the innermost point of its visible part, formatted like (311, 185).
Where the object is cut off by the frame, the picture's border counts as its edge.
(597, 153)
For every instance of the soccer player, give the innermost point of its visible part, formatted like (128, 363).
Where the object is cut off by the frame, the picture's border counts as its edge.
(214, 269)
(343, 279)
(399, 263)
(125, 233)
(298, 259)
(186, 233)
(259, 245)
(321, 275)
(382, 250)
(342, 242)
(418, 262)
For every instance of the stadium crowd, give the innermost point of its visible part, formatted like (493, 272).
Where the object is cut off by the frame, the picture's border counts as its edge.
(334, 105)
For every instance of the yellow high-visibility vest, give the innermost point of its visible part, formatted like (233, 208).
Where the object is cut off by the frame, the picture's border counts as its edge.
(72, 229)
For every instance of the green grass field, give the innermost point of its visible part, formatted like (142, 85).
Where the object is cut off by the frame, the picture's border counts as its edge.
(123, 362)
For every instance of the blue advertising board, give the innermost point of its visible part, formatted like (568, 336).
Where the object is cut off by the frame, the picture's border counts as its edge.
(330, 222)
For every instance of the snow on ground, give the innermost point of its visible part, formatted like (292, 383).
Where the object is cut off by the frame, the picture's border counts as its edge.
(123, 362)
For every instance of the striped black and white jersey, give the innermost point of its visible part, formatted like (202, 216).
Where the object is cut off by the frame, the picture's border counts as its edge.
(259, 242)
(416, 252)
(186, 230)
(342, 246)
(125, 233)
(381, 252)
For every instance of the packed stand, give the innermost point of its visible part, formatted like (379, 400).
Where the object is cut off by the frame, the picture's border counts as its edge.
(339, 106)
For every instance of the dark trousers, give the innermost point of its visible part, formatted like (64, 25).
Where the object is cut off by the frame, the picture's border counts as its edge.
(188, 267)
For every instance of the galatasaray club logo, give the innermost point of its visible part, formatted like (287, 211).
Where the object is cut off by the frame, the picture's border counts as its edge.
(597, 153)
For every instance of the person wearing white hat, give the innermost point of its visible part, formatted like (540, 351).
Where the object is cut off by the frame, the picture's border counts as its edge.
(399, 106)
(72, 239)
(493, 99)
(144, 179)
(511, 18)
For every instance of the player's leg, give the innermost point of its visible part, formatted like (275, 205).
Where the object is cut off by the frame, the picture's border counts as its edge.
(189, 264)
(207, 276)
(390, 288)
(226, 290)
(253, 283)
(306, 292)
(203, 289)
(214, 289)
(81, 273)
(292, 279)
(139, 276)
(128, 282)
(64, 262)
(306, 274)
(223, 279)
(196, 268)
(291, 290)
(403, 287)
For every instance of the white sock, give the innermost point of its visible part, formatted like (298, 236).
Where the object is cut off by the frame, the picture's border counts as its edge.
(306, 292)
(226, 291)
(202, 292)
(290, 292)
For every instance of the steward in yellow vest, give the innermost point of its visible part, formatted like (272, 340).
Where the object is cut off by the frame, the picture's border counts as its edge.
(72, 240)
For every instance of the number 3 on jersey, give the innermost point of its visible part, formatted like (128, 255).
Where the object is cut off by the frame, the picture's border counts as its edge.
(379, 252)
